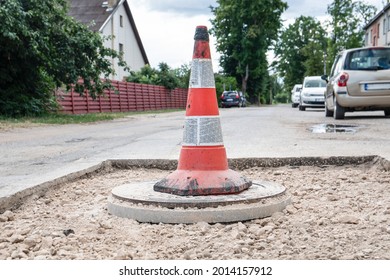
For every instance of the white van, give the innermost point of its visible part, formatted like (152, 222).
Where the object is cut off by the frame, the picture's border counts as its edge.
(312, 93)
(295, 95)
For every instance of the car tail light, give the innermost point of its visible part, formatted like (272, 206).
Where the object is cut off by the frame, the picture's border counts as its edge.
(343, 79)
(237, 96)
(221, 96)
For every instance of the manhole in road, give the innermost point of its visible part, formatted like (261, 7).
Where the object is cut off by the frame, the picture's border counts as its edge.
(333, 128)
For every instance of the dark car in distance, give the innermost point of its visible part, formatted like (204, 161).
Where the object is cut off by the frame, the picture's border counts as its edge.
(232, 99)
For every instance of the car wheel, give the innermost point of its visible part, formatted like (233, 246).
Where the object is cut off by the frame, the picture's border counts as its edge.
(302, 108)
(339, 111)
(328, 113)
(387, 113)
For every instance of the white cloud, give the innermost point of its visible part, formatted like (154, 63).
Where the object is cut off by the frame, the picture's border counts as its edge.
(167, 27)
(188, 7)
(169, 36)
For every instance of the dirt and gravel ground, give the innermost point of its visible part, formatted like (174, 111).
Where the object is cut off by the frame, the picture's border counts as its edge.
(337, 212)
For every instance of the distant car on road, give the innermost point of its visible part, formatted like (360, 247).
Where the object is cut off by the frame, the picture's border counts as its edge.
(295, 95)
(232, 99)
(359, 81)
(312, 93)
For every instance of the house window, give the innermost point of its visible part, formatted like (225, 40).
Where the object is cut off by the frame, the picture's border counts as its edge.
(121, 21)
(370, 36)
(388, 23)
(121, 51)
(384, 26)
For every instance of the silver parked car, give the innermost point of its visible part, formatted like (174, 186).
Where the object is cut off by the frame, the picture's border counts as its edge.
(312, 93)
(359, 81)
(295, 95)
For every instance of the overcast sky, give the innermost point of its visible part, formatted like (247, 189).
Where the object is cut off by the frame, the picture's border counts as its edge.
(167, 27)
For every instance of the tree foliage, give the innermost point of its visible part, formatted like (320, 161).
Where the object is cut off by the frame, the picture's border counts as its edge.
(163, 76)
(244, 30)
(300, 50)
(41, 47)
(223, 82)
(304, 46)
(347, 19)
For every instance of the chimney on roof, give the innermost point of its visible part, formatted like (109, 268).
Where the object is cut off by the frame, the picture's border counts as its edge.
(110, 4)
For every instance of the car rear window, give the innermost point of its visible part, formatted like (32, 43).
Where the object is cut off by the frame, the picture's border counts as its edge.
(315, 83)
(230, 94)
(368, 59)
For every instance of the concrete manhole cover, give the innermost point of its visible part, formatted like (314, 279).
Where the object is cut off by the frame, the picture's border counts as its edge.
(140, 202)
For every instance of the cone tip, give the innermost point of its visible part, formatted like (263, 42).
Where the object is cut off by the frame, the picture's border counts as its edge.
(201, 33)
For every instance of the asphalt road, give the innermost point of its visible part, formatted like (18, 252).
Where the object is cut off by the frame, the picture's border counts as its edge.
(32, 156)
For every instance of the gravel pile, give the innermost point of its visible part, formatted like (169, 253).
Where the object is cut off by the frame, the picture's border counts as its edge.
(337, 212)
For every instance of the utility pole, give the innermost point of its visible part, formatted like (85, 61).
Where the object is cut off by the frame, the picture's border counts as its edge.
(325, 62)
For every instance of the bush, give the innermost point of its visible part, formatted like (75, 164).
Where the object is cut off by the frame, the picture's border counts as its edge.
(164, 76)
(42, 48)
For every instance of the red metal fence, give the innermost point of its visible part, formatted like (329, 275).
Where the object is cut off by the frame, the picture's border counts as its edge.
(131, 97)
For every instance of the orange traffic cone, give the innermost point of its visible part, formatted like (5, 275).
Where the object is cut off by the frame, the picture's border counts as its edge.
(203, 166)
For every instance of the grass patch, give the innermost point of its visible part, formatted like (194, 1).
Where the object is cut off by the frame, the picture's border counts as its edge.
(55, 118)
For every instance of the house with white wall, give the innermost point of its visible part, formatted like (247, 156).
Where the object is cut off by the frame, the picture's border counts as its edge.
(113, 18)
(377, 31)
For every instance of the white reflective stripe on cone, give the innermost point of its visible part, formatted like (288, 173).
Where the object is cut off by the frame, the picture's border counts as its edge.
(202, 131)
(202, 75)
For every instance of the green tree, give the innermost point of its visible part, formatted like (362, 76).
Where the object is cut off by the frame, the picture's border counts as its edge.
(300, 50)
(164, 76)
(146, 75)
(41, 47)
(183, 74)
(244, 30)
(347, 19)
(276, 93)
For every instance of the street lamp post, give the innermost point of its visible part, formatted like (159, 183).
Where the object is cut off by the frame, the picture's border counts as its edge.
(324, 63)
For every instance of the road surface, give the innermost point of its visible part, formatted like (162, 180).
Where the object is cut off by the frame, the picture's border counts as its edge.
(32, 156)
